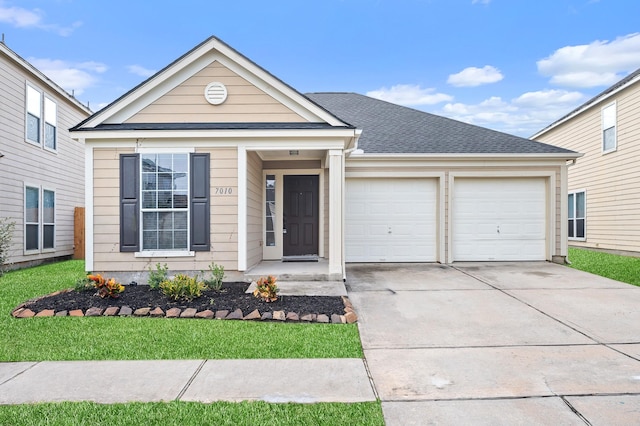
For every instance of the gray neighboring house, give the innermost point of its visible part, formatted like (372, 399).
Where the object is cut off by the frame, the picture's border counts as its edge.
(41, 167)
(263, 173)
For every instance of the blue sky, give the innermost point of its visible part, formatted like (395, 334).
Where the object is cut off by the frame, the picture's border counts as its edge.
(510, 65)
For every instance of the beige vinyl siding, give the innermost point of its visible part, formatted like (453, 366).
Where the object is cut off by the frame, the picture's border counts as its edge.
(611, 181)
(485, 171)
(255, 209)
(27, 163)
(224, 216)
(186, 103)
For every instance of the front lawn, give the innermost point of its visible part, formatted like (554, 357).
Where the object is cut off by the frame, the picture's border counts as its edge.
(100, 338)
(614, 266)
(192, 413)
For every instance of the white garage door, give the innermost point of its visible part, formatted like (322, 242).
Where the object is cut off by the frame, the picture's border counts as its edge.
(390, 220)
(499, 219)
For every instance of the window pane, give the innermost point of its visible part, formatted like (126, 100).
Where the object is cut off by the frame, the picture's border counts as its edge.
(180, 240)
(33, 128)
(48, 206)
(31, 237)
(48, 237)
(148, 181)
(150, 240)
(180, 163)
(180, 200)
(32, 204)
(164, 200)
(571, 205)
(165, 181)
(150, 221)
(180, 220)
(580, 228)
(49, 136)
(271, 239)
(609, 139)
(579, 204)
(50, 112)
(180, 181)
(165, 162)
(33, 101)
(571, 228)
(149, 200)
(165, 240)
(149, 163)
(609, 116)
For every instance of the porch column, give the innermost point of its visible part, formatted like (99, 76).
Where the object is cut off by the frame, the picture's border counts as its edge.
(336, 197)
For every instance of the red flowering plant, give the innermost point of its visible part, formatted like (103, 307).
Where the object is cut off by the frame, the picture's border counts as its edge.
(266, 289)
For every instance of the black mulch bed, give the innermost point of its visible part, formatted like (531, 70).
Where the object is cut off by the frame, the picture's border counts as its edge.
(232, 296)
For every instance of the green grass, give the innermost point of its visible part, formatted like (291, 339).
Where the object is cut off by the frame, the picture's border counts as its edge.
(67, 338)
(614, 266)
(191, 413)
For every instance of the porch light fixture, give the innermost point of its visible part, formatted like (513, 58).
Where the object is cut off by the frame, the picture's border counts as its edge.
(294, 152)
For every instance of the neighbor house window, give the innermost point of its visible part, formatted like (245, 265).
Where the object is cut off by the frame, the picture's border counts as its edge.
(31, 218)
(577, 208)
(34, 114)
(41, 119)
(39, 219)
(165, 201)
(609, 137)
(50, 124)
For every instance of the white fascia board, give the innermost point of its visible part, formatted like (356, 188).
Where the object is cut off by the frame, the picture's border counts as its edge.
(343, 134)
(464, 157)
(586, 106)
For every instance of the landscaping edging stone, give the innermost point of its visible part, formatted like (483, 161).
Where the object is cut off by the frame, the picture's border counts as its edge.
(349, 316)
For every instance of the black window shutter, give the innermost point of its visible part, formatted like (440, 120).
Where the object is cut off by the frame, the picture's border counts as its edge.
(129, 202)
(200, 190)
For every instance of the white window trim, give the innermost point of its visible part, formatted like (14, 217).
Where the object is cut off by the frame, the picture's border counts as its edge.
(574, 192)
(165, 253)
(615, 127)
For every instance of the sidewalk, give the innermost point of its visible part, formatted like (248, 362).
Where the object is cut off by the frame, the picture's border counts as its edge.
(279, 380)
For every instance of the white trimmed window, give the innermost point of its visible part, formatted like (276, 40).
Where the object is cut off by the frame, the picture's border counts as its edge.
(577, 215)
(165, 202)
(609, 136)
(39, 219)
(41, 121)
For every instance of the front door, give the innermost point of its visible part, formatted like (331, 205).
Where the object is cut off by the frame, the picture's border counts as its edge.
(300, 219)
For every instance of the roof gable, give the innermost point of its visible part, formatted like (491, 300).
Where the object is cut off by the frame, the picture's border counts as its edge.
(178, 85)
(393, 129)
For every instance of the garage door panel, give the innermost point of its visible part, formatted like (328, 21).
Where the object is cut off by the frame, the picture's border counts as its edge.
(499, 219)
(390, 220)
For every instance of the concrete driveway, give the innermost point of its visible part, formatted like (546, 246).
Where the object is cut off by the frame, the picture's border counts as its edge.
(499, 343)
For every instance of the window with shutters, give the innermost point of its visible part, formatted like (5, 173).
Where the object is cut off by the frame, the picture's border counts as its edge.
(165, 201)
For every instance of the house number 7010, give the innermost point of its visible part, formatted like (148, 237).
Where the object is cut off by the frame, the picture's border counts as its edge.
(223, 190)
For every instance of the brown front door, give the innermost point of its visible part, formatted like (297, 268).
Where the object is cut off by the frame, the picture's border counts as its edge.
(300, 224)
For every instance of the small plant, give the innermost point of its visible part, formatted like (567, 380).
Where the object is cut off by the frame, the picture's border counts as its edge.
(6, 233)
(158, 275)
(84, 284)
(182, 287)
(106, 288)
(217, 275)
(266, 289)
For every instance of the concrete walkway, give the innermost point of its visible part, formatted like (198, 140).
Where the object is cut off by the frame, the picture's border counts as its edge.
(499, 344)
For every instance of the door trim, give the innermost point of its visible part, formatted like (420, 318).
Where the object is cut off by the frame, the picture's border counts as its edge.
(275, 252)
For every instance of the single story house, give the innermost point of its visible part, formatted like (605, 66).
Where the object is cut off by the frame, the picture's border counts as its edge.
(215, 159)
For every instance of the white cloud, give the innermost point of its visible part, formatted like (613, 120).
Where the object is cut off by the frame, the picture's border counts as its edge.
(24, 18)
(472, 76)
(522, 116)
(73, 77)
(600, 63)
(141, 71)
(410, 94)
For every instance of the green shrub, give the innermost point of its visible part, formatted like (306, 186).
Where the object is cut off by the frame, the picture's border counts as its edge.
(217, 275)
(84, 284)
(6, 234)
(266, 289)
(182, 287)
(158, 275)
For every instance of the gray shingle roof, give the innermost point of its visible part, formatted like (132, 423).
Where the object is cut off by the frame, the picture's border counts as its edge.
(389, 128)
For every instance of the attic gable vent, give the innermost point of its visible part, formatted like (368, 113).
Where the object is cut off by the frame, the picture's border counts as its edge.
(215, 93)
